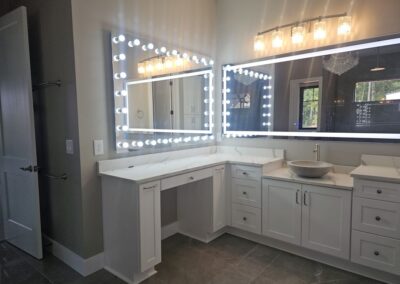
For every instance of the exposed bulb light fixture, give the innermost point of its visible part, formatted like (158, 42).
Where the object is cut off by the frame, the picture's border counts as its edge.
(320, 30)
(277, 39)
(298, 34)
(299, 31)
(344, 26)
(259, 44)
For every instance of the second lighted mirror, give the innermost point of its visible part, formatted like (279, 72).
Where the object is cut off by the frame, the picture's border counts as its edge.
(343, 92)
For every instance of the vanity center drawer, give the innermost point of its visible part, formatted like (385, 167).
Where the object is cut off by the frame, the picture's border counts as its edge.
(178, 180)
(378, 217)
(246, 192)
(246, 172)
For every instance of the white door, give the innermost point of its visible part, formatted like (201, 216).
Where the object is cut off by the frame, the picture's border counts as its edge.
(326, 217)
(282, 211)
(19, 178)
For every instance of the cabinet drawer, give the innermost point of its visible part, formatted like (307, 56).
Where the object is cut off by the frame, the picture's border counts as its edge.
(377, 252)
(246, 172)
(246, 218)
(186, 178)
(378, 217)
(377, 190)
(246, 192)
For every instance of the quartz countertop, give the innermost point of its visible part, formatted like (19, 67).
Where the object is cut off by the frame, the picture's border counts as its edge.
(379, 168)
(338, 178)
(169, 167)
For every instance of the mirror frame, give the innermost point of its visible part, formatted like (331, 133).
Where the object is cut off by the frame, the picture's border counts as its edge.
(354, 46)
(124, 141)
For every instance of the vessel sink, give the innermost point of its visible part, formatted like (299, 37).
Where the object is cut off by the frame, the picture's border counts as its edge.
(310, 169)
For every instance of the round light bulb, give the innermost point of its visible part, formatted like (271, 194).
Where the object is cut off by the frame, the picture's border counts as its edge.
(150, 46)
(121, 38)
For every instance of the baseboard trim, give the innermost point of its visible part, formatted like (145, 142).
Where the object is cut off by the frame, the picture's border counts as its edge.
(317, 256)
(139, 277)
(81, 265)
(169, 230)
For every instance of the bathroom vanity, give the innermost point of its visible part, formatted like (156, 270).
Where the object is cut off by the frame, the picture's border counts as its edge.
(252, 194)
(131, 190)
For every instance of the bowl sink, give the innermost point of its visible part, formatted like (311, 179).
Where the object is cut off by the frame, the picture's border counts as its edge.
(310, 169)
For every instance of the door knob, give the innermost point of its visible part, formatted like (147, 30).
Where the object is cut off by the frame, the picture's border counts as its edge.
(27, 169)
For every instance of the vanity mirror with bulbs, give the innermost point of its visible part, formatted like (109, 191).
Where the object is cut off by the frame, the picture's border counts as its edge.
(162, 95)
(346, 91)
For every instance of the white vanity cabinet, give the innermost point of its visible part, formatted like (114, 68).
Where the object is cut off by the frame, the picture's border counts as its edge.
(219, 218)
(314, 217)
(132, 227)
(376, 225)
(246, 198)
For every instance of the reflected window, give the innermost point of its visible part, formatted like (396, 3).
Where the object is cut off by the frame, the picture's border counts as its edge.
(372, 91)
(309, 107)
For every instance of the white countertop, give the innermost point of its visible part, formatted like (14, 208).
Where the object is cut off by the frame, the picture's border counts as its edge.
(379, 168)
(144, 172)
(338, 178)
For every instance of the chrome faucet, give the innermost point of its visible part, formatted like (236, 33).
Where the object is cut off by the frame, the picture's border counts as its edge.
(317, 152)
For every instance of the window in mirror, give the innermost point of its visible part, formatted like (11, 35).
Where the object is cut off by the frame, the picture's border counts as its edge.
(162, 95)
(309, 104)
(350, 91)
(383, 90)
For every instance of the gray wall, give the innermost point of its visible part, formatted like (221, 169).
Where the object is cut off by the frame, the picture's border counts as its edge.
(239, 21)
(52, 58)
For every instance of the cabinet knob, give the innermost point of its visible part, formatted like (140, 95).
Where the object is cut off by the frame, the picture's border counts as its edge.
(244, 193)
(244, 219)
(379, 191)
(244, 173)
(377, 218)
(191, 178)
(376, 253)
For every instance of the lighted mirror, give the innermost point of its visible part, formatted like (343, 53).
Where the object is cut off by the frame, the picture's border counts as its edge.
(162, 95)
(344, 92)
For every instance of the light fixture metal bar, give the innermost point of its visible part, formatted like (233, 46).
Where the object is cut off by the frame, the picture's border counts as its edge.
(303, 22)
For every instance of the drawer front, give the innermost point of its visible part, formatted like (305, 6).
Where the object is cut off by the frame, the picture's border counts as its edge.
(186, 178)
(377, 252)
(377, 190)
(246, 172)
(246, 218)
(246, 192)
(378, 217)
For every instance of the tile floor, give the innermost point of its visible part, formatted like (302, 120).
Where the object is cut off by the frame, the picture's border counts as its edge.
(227, 259)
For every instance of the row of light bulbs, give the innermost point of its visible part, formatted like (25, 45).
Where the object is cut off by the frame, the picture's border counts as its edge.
(298, 33)
(164, 60)
(165, 141)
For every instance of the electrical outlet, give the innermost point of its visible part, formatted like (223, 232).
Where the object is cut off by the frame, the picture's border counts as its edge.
(98, 147)
(69, 147)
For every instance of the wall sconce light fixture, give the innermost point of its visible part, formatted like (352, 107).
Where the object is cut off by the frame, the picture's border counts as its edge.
(298, 30)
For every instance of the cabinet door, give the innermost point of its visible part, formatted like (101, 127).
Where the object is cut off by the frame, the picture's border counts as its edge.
(326, 218)
(150, 225)
(219, 199)
(281, 210)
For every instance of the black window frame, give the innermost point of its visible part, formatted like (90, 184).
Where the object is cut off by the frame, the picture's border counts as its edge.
(301, 105)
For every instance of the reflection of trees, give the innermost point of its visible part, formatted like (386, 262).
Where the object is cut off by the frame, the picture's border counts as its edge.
(310, 108)
(375, 90)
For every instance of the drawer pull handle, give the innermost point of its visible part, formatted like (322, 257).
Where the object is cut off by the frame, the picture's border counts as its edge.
(376, 253)
(149, 187)
(297, 196)
(377, 218)
(191, 178)
(244, 219)
(305, 198)
(244, 173)
(379, 191)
